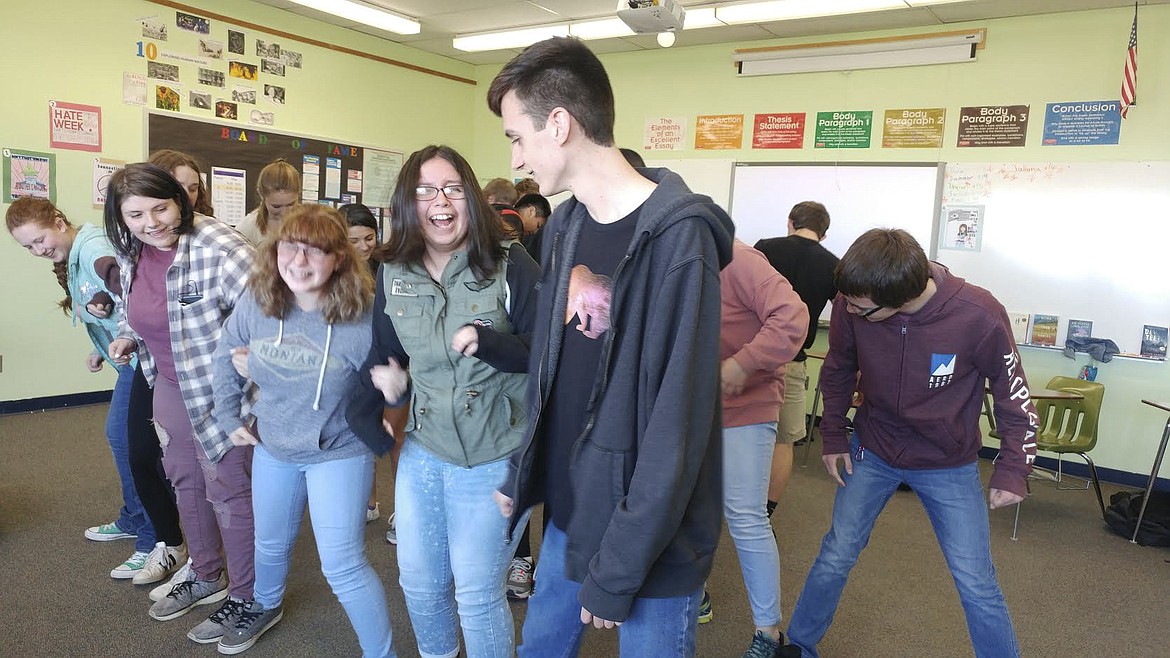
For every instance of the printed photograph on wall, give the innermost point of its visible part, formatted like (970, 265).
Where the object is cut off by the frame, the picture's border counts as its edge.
(154, 28)
(199, 100)
(160, 71)
(166, 98)
(266, 49)
(226, 110)
(961, 227)
(291, 59)
(244, 95)
(272, 67)
(242, 70)
(274, 94)
(192, 23)
(235, 42)
(211, 78)
(211, 49)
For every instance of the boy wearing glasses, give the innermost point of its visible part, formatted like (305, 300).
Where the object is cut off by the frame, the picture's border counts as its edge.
(926, 341)
(624, 444)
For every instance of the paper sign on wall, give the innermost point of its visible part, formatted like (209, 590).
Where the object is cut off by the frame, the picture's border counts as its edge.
(993, 125)
(29, 173)
(664, 134)
(229, 194)
(719, 131)
(102, 170)
(913, 128)
(778, 131)
(843, 130)
(76, 127)
(379, 175)
(1082, 123)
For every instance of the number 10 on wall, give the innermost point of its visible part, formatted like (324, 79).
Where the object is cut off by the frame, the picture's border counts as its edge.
(147, 49)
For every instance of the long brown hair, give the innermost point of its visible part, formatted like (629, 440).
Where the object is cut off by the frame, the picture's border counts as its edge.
(349, 292)
(276, 176)
(172, 160)
(42, 212)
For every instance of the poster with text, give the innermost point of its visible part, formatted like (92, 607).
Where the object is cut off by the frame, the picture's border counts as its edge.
(134, 89)
(102, 170)
(29, 173)
(332, 178)
(664, 134)
(310, 177)
(229, 194)
(918, 128)
(843, 130)
(76, 127)
(353, 181)
(993, 125)
(379, 175)
(778, 131)
(1082, 123)
(961, 227)
(718, 131)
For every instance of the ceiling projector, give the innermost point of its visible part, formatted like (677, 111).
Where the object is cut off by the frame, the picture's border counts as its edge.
(651, 16)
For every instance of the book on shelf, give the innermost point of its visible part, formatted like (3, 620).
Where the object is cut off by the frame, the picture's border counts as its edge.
(1154, 342)
(1044, 329)
(1080, 329)
(1019, 323)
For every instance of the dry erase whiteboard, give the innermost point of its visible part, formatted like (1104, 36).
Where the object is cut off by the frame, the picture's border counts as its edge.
(858, 197)
(1083, 240)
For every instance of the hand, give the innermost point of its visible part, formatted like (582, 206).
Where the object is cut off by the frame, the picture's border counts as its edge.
(504, 503)
(240, 361)
(99, 310)
(999, 498)
(733, 377)
(390, 379)
(831, 465)
(587, 617)
(94, 362)
(466, 341)
(242, 437)
(122, 349)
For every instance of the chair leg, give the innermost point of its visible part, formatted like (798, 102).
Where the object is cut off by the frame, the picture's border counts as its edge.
(1096, 482)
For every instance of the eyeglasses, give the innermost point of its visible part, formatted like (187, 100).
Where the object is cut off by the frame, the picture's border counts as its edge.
(864, 312)
(430, 192)
(290, 250)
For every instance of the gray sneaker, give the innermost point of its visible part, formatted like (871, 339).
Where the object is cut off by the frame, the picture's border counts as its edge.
(219, 622)
(254, 620)
(187, 595)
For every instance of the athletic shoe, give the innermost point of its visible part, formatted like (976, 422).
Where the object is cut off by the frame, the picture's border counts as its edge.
(254, 620)
(763, 646)
(391, 534)
(163, 560)
(131, 566)
(520, 578)
(107, 532)
(705, 614)
(187, 595)
(159, 593)
(218, 623)
(373, 513)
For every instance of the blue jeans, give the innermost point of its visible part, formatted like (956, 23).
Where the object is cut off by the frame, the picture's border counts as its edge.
(747, 465)
(336, 493)
(132, 518)
(664, 628)
(452, 553)
(955, 503)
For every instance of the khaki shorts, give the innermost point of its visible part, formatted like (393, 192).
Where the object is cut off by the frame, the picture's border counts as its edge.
(793, 419)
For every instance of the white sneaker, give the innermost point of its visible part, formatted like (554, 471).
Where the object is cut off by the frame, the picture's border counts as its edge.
(159, 593)
(163, 561)
(131, 566)
(372, 513)
(392, 533)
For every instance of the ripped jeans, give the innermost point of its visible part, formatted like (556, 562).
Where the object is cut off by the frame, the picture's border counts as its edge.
(214, 500)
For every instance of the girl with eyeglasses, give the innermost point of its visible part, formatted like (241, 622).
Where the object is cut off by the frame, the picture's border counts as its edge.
(182, 274)
(454, 308)
(306, 325)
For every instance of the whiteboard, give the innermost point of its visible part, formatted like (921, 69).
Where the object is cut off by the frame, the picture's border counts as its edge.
(710, 177)
(858, 197)
(1077, 240)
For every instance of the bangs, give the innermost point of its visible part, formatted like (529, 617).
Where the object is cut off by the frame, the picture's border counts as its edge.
(316, 226)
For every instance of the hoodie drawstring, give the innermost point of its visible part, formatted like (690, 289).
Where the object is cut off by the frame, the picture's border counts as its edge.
(324, 362)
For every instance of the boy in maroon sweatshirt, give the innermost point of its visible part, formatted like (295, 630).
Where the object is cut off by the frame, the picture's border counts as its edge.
(926, 342)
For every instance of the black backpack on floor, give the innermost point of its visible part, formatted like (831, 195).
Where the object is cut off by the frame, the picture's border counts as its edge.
(1122, 513)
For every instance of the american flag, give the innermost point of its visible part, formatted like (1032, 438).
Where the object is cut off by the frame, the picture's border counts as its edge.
(1129, 82)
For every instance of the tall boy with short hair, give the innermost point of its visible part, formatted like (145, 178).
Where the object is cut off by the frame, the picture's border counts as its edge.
(624, 430)
(926, 342)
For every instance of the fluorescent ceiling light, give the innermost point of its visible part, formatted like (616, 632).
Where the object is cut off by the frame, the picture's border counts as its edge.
(509, 39)
(926, 3)
(701, 17)
(928, 49)
(365, 14)
(606, 28)
(782, 10)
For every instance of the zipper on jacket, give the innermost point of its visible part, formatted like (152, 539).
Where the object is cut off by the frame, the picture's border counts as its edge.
(902, 368)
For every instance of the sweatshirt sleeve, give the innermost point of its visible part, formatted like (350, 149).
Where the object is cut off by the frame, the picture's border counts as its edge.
(229, 387)
(679, 428)
(838, 379)
(781, 312)
(364, 412)
(1015, 415)
(509, 352)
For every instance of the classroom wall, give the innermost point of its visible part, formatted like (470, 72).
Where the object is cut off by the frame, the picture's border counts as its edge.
(77, 50)
(1029, 60)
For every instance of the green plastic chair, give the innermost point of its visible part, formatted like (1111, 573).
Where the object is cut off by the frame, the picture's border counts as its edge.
(1070, 427)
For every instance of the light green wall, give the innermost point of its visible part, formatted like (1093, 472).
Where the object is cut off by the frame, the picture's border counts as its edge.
(76, 51)
(1032, 60)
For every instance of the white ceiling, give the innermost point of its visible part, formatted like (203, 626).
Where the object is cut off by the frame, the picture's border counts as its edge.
(443, 19)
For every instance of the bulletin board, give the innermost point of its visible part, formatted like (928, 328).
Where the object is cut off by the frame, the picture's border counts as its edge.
(347, 172)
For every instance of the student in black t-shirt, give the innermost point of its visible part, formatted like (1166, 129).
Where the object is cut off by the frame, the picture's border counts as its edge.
(624, 437)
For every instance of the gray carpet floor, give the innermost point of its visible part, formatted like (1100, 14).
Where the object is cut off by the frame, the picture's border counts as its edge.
(1074, 589)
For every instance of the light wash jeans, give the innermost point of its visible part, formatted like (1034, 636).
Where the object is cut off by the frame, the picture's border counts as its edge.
(336, 492)
(957, 508)
(452, 551)
(132, 518)
(663, 628)
(747, 465)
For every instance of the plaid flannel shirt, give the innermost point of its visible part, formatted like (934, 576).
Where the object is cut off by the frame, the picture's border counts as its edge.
(211, 264)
